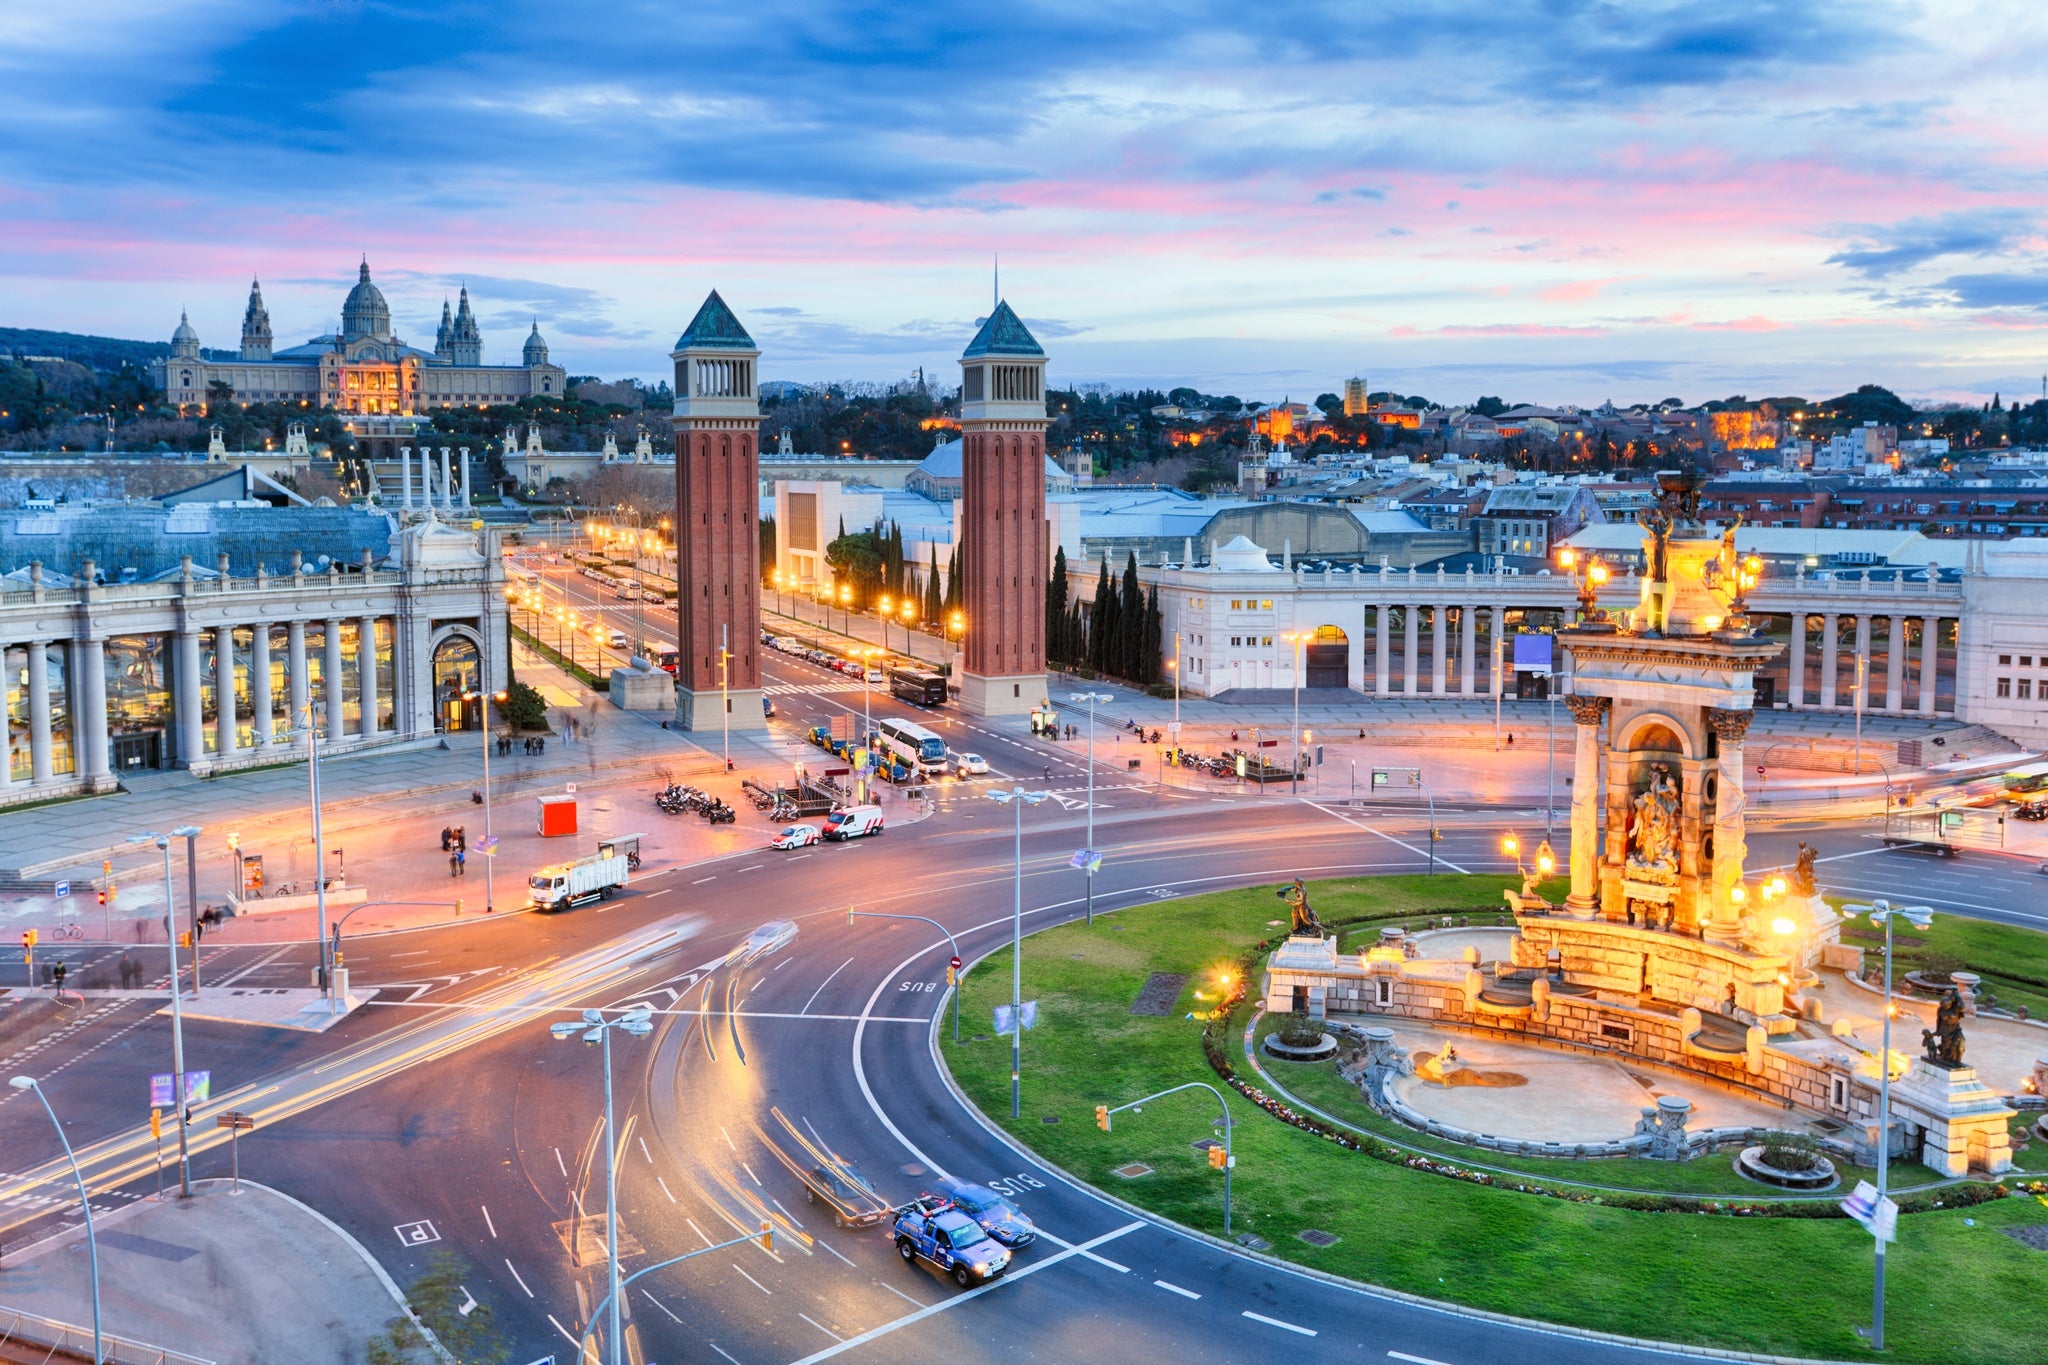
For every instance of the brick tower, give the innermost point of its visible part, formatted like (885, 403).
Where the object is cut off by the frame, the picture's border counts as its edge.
(718, 549)
(1002, 521)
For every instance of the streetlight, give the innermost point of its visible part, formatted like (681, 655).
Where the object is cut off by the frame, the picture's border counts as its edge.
(163, 843)
(888, 610)
(953, 974)
(84, 1201)
(489, 849)
(595, 1028)
(1103, 1111)
(1295, 638)
(1020, 798)
(957, 629)
(1920, 917)
(867, 659)
(845, 607)
(1546, 861)
(319, 861)
(1175, 666)
(1091, 698)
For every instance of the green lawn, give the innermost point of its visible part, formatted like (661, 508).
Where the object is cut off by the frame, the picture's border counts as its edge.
(2013, 962)
(1960, 1293)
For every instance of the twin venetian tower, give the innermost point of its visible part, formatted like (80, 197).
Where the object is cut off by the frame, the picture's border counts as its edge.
(1003, 548)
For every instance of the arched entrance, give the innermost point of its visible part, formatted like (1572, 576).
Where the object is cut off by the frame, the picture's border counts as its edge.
(1327, 658)
(458, 701)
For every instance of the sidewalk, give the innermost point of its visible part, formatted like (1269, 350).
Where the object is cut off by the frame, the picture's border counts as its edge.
(253, 1277)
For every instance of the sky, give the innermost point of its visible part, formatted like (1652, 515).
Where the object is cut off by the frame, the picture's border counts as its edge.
(1546, 200)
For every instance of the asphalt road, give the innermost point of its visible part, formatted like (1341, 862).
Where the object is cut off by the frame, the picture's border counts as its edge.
(446, 1117)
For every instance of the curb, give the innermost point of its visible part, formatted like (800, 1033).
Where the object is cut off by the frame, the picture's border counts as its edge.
(383, 1277)
(1308, 1272)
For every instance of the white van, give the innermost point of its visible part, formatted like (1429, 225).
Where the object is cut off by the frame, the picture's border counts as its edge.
(852, 822)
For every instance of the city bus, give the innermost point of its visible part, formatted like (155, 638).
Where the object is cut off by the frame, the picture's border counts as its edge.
(912, 743)
(916, 685)
(2029, 781)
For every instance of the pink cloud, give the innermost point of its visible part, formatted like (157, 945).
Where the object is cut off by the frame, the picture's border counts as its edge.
(1753, 323)
(1577, 291)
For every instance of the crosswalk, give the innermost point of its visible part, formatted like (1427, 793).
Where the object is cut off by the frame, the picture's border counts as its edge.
(797, 689)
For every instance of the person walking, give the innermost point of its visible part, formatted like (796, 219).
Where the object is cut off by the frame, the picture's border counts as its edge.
(454, 865)
(446, 835)
(461, 863)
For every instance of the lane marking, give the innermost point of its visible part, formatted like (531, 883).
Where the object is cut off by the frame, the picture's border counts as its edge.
(822, 985)
(1414, 1360)
(517, 1276)
(829, 1247)
(561, 1163)
(644, 1152)
(750, 1279)
(701, 880)
(575, 1344)
(751, 1176)
(716, 1347)
(1275, 1322)
(915, 1303)
(699, 1231)
(785, 1212)
(662, 1306)
(487, 1220)
(1176, 1289)
(921, 1314)
(1360, 824)
(1099, 1260)
(728, 1139)
(752, 867)
(821, 1327)
(665, 1189)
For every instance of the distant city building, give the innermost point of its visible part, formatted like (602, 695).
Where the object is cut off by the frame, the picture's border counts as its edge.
(1356, 403)
(363, 368)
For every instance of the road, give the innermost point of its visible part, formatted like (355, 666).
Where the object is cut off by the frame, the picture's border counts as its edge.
(445, 1117)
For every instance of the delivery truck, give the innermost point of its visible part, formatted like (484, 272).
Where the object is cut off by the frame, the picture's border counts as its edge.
(561, 885)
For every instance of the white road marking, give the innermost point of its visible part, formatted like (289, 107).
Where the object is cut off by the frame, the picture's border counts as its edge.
(823, 984)
(561, 1163)
(728, 1137)
(487, 1220)
(821, 1327)
(1275, 1322)
(751, 1176)
(699, 1231)
(829, 1247)
(1176, 1289)
(701, 880)
(785, 1212)
(665, 1189)
(650, 895)
(918, 1303)
(577, 1345)
(644, 1152)
(1413, 1360)
(780, 965)
(750, 867)
(517, 1276)
(1099, 1260)
(663, 1307)
(715, 1346)
(956, 1300)
(750, 1279)
(1360, 824)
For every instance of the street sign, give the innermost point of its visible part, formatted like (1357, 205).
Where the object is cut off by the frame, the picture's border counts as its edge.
(1759, 770)
(1269, 744)
(1396, 777)
(1881, 1218)
(955, 964)
(234, 1118)
(63, 889)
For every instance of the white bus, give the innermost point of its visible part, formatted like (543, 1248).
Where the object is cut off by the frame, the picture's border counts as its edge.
(912, 743)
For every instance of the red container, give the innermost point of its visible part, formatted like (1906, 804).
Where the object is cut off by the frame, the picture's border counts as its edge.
(557, 816)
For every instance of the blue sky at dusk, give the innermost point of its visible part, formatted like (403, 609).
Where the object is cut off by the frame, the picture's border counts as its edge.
(1540, 199)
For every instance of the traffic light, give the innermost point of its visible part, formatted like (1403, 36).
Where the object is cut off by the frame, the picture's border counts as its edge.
(103, 895)
(767, 1237)
(1102, 1117)
(28, 938)
(951, 977)
(156, 1123)
(1218, 1158)
(185, 938)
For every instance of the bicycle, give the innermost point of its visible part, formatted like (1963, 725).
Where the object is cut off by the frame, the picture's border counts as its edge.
(72, 931)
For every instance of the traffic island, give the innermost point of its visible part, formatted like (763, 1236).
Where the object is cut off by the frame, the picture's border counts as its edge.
(1789, 1277)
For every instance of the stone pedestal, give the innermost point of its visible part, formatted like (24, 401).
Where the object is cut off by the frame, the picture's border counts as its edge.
(1964, 1122)
(642, 688)
(1305, 963)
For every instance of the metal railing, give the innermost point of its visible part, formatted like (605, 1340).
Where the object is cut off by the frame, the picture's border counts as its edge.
(18, 1327)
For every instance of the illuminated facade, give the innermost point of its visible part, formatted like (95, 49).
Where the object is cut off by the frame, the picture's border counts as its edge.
(363, 368)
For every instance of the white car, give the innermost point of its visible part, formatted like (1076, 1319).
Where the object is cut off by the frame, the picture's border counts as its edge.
(966, 764)
(796, 836)
(775, 934)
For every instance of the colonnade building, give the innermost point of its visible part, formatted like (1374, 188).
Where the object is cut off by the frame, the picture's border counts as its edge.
(125, 653)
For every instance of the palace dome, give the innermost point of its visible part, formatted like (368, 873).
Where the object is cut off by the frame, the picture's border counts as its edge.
(364, 313)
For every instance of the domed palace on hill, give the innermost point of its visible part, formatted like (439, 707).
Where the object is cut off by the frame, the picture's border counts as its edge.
(363, 368)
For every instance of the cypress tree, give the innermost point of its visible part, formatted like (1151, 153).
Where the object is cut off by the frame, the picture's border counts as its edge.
(1102, 620)
(1056, 606)
(1155, 643)
(1131, 623)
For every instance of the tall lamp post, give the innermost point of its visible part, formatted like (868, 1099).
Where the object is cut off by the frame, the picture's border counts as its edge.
(1296, 639)
(1089, 869)
(888, 609)
(1920, 917)
(1017, 798)
(84, 1202)
(319, 859)
(163, 843)
(596, 1028)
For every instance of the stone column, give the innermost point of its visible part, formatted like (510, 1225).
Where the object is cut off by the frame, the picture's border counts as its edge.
(1862, 656)
(1930, 660)
(331, 670)
(1468, 642)
(1730, 848)
(1895, 663)
(225, 740)
(1413, 644)
(405, 476)
(1830, 655)
(191, 715)
(1587, 713)
(38, 658)
(465, 476)
(1795, 676)
(366, 656)
(89, 707)
(446, 503)
(262, 703)
(301, 696)
(1380, 645)
(1439, 637)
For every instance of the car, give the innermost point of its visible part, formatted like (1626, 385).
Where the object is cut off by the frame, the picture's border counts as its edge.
(935, 1232)
(796, 836)
(617, 638)
(775, 934)
(840, 1186)
(965, 764)
(768, 707)
(852, 822)
(998, 1217)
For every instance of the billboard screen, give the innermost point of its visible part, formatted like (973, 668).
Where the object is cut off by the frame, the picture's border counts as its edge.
(1533, 653)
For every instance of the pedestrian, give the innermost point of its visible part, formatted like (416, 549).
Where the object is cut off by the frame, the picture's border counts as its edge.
(446, 835)
(1511, 739)
(461, 863)
(461, 839)
(455, 865)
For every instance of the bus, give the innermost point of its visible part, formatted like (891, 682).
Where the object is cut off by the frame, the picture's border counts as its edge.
(916, 685)
(2029, 781)
(912, 743)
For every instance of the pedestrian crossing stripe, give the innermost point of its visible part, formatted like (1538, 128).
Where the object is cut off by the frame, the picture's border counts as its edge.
(792, 690)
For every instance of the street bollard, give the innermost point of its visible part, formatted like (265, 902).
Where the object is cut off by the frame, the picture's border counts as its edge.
(458, 907)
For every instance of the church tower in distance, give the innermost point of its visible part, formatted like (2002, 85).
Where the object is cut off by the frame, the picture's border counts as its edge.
(718, 544)
(1003, 547)
(255, 326)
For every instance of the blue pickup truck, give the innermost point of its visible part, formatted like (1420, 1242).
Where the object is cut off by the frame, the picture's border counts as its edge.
(933, 1230)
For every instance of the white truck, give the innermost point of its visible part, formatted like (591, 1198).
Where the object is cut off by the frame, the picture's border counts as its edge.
(562, 885)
